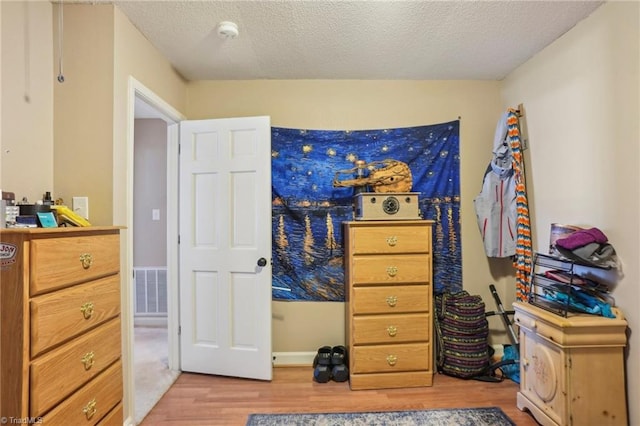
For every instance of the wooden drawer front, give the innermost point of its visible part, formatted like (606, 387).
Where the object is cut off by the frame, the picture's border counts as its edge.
(58, 262)
(58, 316)
(388, 358)
(540, 328)
(92, 402)
(390, 299)
(114, 418)
(405, 379)
(391, 239)
(81, 360)
(391, 269)
(391, 328)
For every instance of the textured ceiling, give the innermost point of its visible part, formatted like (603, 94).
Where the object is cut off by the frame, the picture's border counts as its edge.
(425, 40)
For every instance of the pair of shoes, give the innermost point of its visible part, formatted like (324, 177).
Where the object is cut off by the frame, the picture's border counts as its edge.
(331, 363)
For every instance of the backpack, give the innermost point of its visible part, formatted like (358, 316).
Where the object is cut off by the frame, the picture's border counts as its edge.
(462, 333)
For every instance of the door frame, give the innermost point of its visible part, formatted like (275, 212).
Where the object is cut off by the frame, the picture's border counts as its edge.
(172, 117)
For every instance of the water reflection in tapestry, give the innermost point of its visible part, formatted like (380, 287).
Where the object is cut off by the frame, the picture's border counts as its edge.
(307, 210)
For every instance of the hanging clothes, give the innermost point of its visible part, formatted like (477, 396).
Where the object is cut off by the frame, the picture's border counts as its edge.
(502, 208)
(495, 205)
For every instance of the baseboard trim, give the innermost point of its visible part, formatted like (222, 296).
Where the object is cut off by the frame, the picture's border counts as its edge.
(499, 351)
(293, 359)
(150, 321)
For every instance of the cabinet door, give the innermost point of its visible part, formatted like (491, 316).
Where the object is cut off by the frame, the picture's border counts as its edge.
(543, 375)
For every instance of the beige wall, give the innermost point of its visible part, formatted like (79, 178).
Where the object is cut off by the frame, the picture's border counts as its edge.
(581, 96)
(26, 166)
(149, 193)
(102, 49)
(83, 110)
(136, 58)
(357, 105)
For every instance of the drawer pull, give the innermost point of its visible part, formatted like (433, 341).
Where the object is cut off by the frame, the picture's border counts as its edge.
(392, 300)
(392, 241)
(392, 330)
(87, 310)
(391, 360)
(392, 271)
(87, 360)
(86, 259)
(90, 409)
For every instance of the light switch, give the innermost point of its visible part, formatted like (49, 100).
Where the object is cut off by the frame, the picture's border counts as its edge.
(80, 206)
(155, 214)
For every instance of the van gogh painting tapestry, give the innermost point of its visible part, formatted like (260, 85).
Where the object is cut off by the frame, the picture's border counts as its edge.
(308, 210)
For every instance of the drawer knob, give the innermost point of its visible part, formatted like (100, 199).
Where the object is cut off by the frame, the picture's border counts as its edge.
(87, 310)
(392, 300)
(392, 271)
(391, 360)
(392, 241)
(86, 259)
(392, 330)
(87, 360)
(90, 409)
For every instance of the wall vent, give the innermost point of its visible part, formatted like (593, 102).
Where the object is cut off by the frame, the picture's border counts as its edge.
(150, 291)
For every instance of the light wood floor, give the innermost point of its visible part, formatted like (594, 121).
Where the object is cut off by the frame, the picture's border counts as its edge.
(213, 400)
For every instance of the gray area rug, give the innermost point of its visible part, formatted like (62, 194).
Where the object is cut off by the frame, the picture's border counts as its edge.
(489, 416)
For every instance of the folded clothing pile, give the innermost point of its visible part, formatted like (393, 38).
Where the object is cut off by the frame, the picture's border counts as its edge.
(589, 247)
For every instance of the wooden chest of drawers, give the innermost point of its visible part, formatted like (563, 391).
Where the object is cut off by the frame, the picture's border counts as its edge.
(571, 369)
(60, 335)
(389, 321)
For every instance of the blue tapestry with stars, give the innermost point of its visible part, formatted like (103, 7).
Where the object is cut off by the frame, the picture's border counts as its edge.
(307, 210)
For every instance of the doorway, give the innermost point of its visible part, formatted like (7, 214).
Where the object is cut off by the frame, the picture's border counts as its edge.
(152, 375)
(152, 249)
(242, 144)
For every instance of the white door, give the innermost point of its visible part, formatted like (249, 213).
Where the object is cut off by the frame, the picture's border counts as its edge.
(225, 247)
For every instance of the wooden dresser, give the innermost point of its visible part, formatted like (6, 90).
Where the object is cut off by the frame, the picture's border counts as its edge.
(388, 303)
(571, 369)
(60, 344)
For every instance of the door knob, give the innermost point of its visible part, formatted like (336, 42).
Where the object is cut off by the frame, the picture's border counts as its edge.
(262, 262)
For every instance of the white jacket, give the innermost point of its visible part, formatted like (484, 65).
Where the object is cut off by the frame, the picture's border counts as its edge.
(496, 204)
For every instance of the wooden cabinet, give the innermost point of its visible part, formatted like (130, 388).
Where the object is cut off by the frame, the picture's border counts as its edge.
(60, 336)
(389, 323)
(571, 369)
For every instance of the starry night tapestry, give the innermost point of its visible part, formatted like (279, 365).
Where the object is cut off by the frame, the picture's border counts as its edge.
(307, 210)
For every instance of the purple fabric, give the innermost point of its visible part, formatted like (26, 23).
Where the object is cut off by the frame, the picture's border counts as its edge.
(582, 238)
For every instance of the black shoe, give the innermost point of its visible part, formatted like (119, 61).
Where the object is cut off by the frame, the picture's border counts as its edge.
(339, 355)
(340, 364)
(323, 357)
(340, 373)
(322, 373)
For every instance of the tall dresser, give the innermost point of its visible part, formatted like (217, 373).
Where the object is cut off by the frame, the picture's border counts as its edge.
(60, 347)
(388, 270)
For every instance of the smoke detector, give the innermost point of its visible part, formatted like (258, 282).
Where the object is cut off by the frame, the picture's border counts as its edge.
(227, 30)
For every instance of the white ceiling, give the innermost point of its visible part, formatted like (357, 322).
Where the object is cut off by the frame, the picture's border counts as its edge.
(393, 39)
